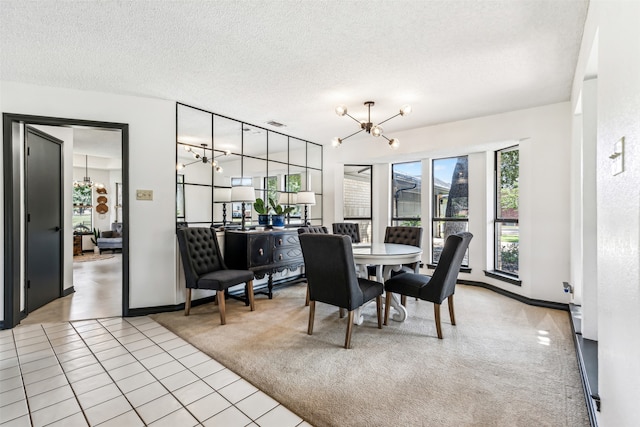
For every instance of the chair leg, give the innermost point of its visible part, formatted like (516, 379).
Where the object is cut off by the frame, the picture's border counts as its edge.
(403, 300)
(306, 301)
(436, 311)
(252, 303)
(312, 313)
(221, 306)
(451, 313)
(187, 302)
(379, 310)
(342, 310)
(347, 340)
(387, 306)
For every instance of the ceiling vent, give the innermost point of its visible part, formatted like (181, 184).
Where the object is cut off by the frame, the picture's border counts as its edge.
(276, 124)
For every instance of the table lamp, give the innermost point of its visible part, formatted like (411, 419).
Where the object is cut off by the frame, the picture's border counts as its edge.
(222, 195)
(306, 198)
(244, 194)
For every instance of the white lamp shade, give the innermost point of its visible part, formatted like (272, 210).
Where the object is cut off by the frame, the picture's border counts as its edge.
(287, 198)
(243, 194)
(306, 198)
(221, 195)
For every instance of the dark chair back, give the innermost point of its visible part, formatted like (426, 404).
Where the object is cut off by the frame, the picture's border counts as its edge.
(443, 280)
(313, 229)
(200, 253)
(404, 236)
(330, 270)
(351, 229)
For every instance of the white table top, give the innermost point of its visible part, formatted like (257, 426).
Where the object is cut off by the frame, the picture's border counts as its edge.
(385, 253)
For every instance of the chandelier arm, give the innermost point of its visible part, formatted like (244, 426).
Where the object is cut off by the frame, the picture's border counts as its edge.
(385, 136)
(354, 119)
(195, 161)
(355, 133)
(388, 119)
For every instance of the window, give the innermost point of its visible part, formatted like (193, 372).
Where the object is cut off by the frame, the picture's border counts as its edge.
(406, 187)
(450, 205)
(507, 237)
(357, 198)
(82, 209)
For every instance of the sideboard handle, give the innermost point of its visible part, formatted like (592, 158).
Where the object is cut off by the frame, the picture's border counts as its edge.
(261, 251)
(280, 242)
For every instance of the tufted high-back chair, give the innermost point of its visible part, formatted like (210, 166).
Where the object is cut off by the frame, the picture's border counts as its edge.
(438, 287)
(331, 276)
(351, 229)
(204, 267)
(312, 229)
(411, 236)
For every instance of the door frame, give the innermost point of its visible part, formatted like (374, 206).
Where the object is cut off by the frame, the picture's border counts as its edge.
(12, 206)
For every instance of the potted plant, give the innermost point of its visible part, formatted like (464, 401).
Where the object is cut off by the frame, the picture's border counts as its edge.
(277, 220)
(263, 211)
(94, 240)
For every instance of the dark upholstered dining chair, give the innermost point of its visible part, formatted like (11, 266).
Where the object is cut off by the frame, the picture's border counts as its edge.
(351, 229)
(331, 277)
(438, 287)
(313, 229)
(401, 235)
(204, 267)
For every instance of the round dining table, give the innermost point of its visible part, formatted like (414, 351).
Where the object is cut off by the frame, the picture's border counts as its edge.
(386, 257)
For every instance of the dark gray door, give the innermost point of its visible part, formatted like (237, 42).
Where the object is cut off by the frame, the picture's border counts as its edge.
(43, 188)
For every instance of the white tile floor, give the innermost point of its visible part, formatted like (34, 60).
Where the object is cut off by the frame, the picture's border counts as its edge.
(122, 372)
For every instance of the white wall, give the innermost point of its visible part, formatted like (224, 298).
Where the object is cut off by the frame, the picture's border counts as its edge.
(151, 132)
(615, 25)
(545, 135)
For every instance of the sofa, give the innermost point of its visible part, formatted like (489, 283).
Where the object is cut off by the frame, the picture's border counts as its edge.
(111, 240)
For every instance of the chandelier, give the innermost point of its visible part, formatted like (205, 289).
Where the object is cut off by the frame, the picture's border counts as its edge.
(203, 158)
(373, 129)
(86, 181)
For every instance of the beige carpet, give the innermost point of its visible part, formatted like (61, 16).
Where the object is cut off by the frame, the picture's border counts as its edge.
(504, 364)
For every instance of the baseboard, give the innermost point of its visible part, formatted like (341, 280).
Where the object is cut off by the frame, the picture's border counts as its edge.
(529, 301)
(134, 312)
(68, 291)
(587, 356)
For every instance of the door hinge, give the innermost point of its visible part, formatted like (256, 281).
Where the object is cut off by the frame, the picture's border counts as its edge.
(28, 284)
(28, 151)
(28, 217)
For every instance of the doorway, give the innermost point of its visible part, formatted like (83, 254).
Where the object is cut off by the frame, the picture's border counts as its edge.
(16, 303)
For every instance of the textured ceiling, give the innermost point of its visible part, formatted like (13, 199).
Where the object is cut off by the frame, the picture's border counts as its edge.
(294, 61)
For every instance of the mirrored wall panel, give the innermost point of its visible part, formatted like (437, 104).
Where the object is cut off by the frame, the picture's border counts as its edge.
(215, 153)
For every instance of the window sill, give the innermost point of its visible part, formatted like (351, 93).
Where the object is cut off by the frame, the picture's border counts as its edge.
(462, 269)
(503, 277)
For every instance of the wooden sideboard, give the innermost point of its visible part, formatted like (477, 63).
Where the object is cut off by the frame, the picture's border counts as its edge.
(263, 252)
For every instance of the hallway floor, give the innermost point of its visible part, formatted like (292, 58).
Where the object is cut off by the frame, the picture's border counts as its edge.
(122, 372)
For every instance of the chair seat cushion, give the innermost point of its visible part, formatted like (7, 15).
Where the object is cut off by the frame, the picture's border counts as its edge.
(370, 289)
(409, 284)
(222, 279)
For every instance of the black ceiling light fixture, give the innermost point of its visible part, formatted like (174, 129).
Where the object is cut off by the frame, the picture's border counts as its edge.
(373, 129)
(202, 157)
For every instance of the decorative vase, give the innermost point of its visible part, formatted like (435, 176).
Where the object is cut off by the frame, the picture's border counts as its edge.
(263, 219)
(96, 250)
(277, 220)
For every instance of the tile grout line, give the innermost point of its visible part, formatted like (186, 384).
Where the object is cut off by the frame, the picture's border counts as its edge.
(187, 368)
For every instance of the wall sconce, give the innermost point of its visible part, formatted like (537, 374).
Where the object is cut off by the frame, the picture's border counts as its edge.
(306, 198)
(244, 194)
(222, 195)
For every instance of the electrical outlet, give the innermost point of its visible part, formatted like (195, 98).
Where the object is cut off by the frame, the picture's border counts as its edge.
(144, 194)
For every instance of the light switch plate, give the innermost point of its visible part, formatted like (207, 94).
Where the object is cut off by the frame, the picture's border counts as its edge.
(144, 194)
(617, 157)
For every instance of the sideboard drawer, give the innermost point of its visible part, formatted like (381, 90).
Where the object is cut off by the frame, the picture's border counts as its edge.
(287, 254)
